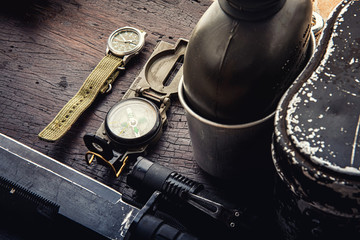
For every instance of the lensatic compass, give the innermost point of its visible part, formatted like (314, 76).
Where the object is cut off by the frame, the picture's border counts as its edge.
(133, 122)
(136, 122)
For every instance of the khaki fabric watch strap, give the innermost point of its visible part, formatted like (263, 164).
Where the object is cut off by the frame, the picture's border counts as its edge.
(98, 81)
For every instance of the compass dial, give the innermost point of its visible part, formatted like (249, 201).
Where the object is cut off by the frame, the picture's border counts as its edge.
(125, 41)
(133, 121)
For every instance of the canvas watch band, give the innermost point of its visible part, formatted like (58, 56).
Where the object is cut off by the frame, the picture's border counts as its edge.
(97, 82)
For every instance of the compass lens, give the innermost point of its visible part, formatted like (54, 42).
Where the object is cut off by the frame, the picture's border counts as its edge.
(132, 119)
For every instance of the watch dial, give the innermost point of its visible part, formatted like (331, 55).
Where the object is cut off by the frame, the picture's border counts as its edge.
(132, 119)
(124, 40)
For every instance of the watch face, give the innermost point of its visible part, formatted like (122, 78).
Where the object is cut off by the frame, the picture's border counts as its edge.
(125, 41)
(134, 121)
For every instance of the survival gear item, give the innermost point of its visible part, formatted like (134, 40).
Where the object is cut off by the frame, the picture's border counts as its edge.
(316, 143)
(122, 45)
(136, 122)
(147, 177)
(60, 193)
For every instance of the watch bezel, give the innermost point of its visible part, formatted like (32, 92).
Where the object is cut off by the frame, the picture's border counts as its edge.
(137, 141)
(124, 53)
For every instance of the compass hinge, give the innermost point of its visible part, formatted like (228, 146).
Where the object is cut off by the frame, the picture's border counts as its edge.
(162, 100)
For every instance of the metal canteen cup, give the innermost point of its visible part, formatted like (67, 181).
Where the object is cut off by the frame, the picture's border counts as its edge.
(228, 150)
(222, 150)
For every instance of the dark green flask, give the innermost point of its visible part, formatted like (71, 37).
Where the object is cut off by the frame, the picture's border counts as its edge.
(243, 55)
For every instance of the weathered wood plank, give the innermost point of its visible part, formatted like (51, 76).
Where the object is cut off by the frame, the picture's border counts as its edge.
(48, 48)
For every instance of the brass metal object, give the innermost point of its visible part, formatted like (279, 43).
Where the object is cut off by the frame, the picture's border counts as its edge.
(156, 83)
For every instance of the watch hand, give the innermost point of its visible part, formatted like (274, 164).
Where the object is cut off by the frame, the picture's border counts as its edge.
(122, 37)
(128, 41)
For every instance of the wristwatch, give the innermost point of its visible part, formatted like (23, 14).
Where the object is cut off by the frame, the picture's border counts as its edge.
(122, 45)
(136, 122)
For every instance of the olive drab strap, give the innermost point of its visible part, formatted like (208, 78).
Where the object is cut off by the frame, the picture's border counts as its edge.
(99, 80)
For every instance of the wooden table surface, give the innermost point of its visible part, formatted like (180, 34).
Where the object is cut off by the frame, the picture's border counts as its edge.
(49, 47)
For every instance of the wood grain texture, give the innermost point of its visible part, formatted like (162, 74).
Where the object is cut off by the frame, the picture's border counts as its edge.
(48, 48)
(324, 7)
